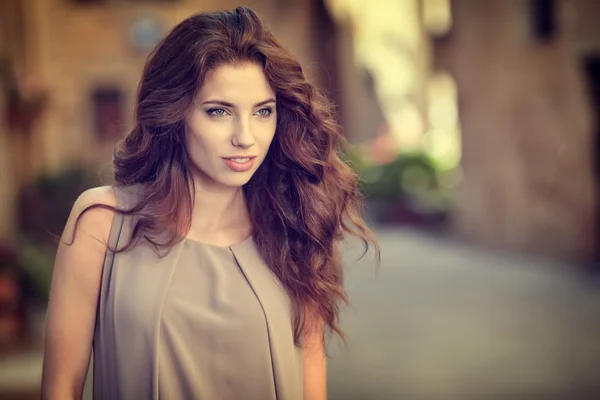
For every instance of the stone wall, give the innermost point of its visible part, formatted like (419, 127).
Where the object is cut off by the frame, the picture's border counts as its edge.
(527, 127)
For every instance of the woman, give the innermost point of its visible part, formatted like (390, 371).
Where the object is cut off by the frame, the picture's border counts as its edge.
(211, 269)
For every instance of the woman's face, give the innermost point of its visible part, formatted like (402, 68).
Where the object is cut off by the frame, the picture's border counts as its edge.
(231, 125)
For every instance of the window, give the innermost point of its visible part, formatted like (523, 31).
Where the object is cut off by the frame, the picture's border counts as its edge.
(108, 112)
(543, 19)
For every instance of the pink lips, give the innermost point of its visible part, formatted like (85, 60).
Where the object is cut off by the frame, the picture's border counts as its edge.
(239, 166)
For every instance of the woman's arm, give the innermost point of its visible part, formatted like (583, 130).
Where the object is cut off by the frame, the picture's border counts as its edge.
(314, 366)
(74, 296)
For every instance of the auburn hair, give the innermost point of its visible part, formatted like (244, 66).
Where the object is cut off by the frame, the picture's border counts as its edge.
(303, 199)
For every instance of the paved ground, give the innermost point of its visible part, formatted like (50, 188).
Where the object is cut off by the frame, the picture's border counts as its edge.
(445, 321)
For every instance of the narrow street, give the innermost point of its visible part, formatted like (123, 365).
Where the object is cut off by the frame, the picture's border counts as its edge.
(441, 320)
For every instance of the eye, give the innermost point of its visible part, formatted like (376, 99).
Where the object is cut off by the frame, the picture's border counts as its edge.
(216, 112)
(265, 112)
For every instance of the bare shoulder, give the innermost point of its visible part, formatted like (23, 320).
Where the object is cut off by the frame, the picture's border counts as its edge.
(74, 293)
(93, 221)
(98, 195)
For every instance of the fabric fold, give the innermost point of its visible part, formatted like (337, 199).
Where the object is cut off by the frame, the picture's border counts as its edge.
(276, 305)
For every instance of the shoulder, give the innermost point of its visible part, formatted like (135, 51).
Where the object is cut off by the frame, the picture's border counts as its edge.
(105, 195)
(93, 213)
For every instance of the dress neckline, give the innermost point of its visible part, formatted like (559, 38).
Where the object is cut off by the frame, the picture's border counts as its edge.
(216, 246)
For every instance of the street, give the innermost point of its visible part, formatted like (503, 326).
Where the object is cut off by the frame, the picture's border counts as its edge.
(442, 320)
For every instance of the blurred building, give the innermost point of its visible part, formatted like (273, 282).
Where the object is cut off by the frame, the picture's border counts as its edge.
(528, 76)
(70, 70)
(524, 78)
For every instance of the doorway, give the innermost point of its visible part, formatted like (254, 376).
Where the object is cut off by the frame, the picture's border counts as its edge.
(592, 71)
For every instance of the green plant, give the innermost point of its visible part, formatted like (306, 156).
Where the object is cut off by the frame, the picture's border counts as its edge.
(46, 203)
(44, 208)
(410, 174)
(410, 189)
(36, 263)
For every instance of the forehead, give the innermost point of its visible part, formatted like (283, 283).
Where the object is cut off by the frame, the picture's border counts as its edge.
(236, 83)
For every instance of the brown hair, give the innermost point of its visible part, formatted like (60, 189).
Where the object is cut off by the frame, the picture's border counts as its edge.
(302, 200)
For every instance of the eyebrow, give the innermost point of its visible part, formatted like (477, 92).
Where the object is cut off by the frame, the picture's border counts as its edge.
(227, 104)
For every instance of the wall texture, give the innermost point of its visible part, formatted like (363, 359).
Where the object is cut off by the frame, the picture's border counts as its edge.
(527, 126)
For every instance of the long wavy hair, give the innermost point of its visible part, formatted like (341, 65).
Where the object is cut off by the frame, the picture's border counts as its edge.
(303, 199)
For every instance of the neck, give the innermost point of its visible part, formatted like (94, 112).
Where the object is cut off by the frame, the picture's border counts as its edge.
(218, 210)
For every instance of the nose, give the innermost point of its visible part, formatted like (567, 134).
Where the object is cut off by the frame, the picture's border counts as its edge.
(242, 135)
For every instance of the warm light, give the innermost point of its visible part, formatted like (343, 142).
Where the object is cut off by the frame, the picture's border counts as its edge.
(437, 16)
(407, 126)
(442, 94)
(390, 43)
(442, 141)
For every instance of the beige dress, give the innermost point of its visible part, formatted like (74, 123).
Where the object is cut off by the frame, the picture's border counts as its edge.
(204, 322)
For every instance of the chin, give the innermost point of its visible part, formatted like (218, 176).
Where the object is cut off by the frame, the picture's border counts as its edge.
(223, 178)
(238, 181)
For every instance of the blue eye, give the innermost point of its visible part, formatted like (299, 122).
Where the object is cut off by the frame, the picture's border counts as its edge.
(216, 112)
(265, 112)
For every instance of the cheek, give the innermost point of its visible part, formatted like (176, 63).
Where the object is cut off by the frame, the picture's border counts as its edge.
(198, 148)
(267, 135)
(202, 138)
(202, 151)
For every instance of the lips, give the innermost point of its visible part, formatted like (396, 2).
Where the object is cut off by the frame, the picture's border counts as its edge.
(238, 163)
(240, 159)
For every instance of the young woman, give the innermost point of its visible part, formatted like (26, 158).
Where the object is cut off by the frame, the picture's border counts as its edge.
(211, 269)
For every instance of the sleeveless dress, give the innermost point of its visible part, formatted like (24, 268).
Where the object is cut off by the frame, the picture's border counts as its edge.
(203, 322)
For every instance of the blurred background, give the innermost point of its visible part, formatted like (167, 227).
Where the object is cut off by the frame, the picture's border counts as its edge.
(475, 129)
